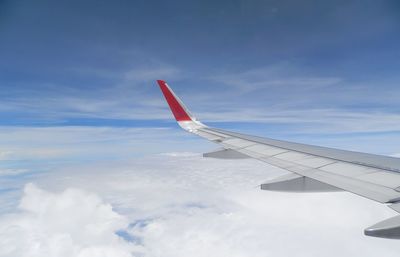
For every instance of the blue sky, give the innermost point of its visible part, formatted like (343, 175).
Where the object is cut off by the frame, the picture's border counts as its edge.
(310, 71)
(87, 140)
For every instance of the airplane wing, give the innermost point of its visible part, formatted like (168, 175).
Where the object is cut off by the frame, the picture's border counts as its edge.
(312, 168)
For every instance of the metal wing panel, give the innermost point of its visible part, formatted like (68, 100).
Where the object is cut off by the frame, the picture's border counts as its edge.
(372, 160)
(208, 136)
(316, 162)
(236, 143)
(369, 190)
(373, 183)
(388, 179)
(265, 149)
(347, 169)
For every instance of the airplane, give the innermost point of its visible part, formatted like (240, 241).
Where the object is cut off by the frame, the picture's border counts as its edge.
(312, 168)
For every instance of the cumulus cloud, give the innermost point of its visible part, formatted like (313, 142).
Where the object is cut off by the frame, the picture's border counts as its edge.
(184, 205)
(70, 223)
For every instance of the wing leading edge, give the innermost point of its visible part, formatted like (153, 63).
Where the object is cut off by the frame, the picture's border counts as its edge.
(313, 168)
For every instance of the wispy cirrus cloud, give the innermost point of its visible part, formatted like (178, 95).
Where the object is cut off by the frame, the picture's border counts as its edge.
(313, 120)
(149, 75)
(277, 77)
(281, 94)
(90, 143)
(129, 94)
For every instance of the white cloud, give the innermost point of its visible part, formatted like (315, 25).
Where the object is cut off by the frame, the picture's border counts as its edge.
(50, 143)
(129, 95)
(71, 223)
(285, 95)
(281, 94)
(184, 205)
(152, 74)
(316, 120)
(4, 154)
(7, 172)
(278, 77)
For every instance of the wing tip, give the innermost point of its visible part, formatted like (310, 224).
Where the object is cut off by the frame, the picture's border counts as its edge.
(177, 107)
(161, 82)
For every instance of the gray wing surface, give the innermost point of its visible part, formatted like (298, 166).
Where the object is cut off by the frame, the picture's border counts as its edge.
(312, 168)
(367, 175)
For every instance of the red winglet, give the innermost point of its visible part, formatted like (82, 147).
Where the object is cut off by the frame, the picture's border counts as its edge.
(174, 103)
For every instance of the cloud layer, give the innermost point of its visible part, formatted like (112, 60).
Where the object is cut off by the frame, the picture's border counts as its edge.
(181, 204)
